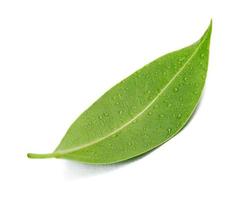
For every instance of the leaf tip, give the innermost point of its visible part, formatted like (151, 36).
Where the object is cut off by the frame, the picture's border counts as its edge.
(210, 25)
(207, 33)
(209, 29)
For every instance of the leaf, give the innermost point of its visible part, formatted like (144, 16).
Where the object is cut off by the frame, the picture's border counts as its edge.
(141, 112)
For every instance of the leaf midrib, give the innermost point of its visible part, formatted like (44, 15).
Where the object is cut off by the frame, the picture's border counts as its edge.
(74, 149)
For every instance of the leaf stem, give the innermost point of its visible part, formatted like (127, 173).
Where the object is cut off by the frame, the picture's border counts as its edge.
(35, 155)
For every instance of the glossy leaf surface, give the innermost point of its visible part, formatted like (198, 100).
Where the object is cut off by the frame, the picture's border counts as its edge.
(141, 112)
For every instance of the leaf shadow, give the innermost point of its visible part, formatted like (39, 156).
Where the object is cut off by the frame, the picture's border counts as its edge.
(75, 169)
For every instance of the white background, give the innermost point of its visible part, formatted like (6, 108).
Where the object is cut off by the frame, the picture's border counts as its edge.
(57, 57)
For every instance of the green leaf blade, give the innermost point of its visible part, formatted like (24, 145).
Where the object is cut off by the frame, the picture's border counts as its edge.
(143, 111)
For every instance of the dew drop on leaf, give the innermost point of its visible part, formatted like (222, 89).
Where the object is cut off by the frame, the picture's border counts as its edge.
(176, 89)
(105, 114)
(156, 106)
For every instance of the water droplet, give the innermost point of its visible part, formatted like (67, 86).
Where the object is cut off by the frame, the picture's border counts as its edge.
(161, 115)
(169, 130)
(148, 91)
(105, 114)
(169, 105)
(131, 113)
(202, 55)
(176, 89)
(185, 78)
(179, 116)
(146, 136)
(100, 117)
(146, 145)
(180, 60)
(93, 154)
(150, 98)
(147, 76)
(149, 113)
(156, 106)
(120, 112)
(117, 103)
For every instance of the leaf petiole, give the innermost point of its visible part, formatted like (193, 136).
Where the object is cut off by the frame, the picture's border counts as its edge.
(35, 155)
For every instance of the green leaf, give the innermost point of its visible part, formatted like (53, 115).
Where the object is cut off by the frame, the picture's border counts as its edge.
(141, 112)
